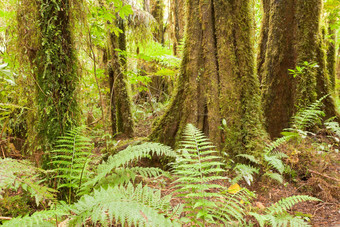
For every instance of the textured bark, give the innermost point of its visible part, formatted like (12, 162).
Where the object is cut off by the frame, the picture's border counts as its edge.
(263, 38)
(157, 12)
(177, 19)
(121, 114)
(331, 55)
(57, 77)
(293, 37)
(277, 56)
(217, 78)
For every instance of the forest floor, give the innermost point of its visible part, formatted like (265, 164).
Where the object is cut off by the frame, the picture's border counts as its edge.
(317, 173)
(321, 181)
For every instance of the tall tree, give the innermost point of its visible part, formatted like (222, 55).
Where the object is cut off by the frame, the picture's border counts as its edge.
(56, 76)
(121, 114)
(291, 35)
(157, 11)
(217, 81)
(177, 19)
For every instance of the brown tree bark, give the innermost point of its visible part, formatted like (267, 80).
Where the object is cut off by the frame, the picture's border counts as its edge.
(157, 11)
(177, 18)
(217, 78)
(292, 37)
(121, 114)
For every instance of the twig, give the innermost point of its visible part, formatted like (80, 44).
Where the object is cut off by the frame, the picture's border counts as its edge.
(3, 153)
(323, 175)
(5, 218)
(94, 122)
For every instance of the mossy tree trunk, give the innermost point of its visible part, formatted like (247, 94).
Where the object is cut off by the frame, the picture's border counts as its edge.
(177, 18)
(217, 78)
(291, 35)
(121, 114)
(157, 11)
(57, 78)
(331, 54)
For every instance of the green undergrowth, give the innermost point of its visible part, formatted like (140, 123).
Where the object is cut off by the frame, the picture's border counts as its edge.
(118, 191)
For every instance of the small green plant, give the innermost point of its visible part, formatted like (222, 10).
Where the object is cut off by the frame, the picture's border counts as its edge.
(302, 69)
(15, 175)
(198, 166)
(271, 159)
(118, 168)
(68, 162)
(277, 215)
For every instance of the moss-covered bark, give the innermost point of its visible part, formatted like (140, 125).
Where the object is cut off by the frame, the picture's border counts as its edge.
(121, 114)
(277, 55)
(177, 18)
(217, 78)
(156, 10)
(57, 77)
(331, 54)
(292, 38)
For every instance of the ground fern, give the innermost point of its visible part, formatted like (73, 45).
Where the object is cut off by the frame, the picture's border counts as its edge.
(15, 174)
(69, 160)
(198, 168)
(114, 170)
(277, 215)
(134, 206)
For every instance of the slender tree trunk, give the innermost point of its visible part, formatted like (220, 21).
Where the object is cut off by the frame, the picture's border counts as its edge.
(217, 78)
(331, 54)
(177, 14)
(121, 114)
(157, 12)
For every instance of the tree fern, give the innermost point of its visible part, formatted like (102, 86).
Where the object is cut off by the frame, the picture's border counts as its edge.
(140, 206)
(69, 160)
(198, 167)
(276, 215)
(15, 174)
(118, 164)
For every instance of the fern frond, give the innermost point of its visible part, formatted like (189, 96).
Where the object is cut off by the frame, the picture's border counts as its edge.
(15, 174)
(124, 175)
(275, 144)
(69, 160)
(276, 215)
(287, 203)
(333, 126)
(249, 157)
(44, 218)
(309, 116)
(124, 157)
(275, 163)
(198, 168)
(246, 172)
(274, 176)
(139, 206)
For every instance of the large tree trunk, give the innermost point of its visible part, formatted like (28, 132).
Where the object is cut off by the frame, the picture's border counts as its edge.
(217, 78)
(121, 114)
(56, 71)
(292, 38)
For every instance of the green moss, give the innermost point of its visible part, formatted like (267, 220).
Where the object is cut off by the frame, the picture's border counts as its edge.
(217, 79)
(56, 71)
